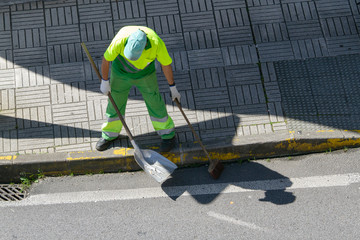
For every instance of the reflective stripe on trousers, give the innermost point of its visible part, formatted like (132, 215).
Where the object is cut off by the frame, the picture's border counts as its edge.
(164, 126)
(166, 129)
(111, 130)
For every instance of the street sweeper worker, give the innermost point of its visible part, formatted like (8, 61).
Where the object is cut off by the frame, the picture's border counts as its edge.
(133, 52)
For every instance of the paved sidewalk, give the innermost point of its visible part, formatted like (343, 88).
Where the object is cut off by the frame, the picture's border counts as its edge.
(258, 78)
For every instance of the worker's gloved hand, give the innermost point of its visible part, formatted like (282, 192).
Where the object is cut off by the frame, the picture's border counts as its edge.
(105, 86)
(175, 93)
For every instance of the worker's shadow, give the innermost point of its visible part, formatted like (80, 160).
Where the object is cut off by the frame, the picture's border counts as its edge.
(247, 176)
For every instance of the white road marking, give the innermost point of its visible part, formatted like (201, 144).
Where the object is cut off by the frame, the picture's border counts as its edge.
(236, 221)
(191, 190)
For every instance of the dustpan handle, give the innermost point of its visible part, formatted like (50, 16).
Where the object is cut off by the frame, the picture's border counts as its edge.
(109, 94)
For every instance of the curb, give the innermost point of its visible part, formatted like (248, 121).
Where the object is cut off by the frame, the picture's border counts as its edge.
(122, 159)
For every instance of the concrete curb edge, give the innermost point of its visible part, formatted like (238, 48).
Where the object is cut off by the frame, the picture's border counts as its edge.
(121, 159)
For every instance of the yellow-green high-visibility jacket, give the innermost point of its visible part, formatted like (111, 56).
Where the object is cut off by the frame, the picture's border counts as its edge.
(154, 49)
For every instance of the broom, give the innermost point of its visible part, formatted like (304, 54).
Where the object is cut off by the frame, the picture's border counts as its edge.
(215, 166)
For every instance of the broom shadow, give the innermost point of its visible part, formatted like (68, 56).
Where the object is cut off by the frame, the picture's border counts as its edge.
(241, 175)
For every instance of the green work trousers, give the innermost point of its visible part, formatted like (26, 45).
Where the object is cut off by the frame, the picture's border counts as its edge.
(123, 77)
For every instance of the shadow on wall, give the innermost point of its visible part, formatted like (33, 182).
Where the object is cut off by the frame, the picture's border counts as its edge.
(26, 131)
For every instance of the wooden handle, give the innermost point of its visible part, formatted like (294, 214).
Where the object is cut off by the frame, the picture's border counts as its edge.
(192, 129)
(91, 61)
(109, 94)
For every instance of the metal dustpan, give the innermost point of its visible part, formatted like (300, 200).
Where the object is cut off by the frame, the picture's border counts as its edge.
(153, 163)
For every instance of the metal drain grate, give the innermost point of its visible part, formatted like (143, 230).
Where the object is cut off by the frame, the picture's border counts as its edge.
(12, 192)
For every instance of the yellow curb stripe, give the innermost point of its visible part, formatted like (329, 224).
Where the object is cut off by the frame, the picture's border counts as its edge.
(289, 145)
(175, 158)
(219, 156)
(128, 163)
(122, 151)
(10, 157)
(83, 158)
(330, 143)
(358, 131)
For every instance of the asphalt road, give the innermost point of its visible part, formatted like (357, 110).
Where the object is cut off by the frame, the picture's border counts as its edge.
(307, 197)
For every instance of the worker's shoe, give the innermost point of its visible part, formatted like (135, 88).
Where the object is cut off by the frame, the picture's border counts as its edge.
(103, 144)
(167, 144)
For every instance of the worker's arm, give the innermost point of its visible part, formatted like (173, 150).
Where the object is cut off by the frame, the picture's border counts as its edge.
(105, 69)
(105, 83)
(168, 72)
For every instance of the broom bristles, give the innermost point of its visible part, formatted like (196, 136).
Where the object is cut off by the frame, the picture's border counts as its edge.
(216, 170)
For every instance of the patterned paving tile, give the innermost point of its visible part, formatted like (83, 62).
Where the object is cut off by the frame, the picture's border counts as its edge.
(211, 98)
(182, 79)
(94, 31)
(7, 79)
(247, 94)
(266, 14)
(7, 120)
(242, 75)
(242, 67)
(156, 7)
(275, 51)
(304, 29)
(309, 48)
(270, 32)
(299, 10)
(128, 9)
(245, 54)
(6, 59)
(30, 57)
(63, 34)
(64, 53)
(201, 40)
(343, 45)
(61, 14)
(165, 24)
(332, 8)
(8, 141)
(7, 99)
(89, 13)
(33, 117)
(174, 42)
(227, 4)
(71, 134)
(205, 58)
(232, 17)
(67, 73)
(32, 96)
(235, 36)
(5, 19)
(208, 78)
(27, 19)
(43, 135)
(68, 113)
(32, 76)
(251, 114)
(29, 38)
(188, 6)
(198, 21)
(339, 26)
(5, 40)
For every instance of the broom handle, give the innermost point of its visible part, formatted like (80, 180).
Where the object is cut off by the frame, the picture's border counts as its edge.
(109, 94)
(192, 129)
